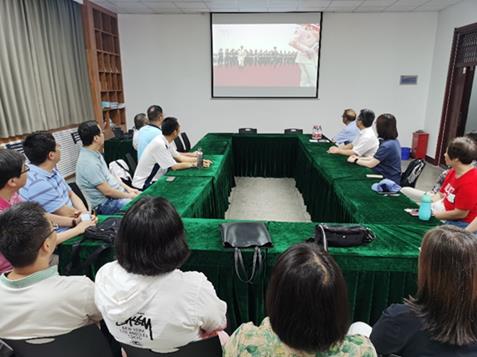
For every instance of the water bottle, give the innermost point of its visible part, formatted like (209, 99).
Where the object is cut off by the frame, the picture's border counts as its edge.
(200, 158)
(425, 210)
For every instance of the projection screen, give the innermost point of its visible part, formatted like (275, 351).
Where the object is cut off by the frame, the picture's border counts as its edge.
(265, 55)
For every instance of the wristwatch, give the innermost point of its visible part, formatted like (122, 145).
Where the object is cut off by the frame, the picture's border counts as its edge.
(356, 160)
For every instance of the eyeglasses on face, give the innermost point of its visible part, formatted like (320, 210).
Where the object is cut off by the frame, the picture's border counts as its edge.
(26, 168)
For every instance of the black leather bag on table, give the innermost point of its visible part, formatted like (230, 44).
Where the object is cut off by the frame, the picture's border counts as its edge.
(105, 232)
(239, 235)
(342, 235)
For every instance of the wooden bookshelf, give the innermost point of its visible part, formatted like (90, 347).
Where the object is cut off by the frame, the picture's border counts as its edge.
(104, 62)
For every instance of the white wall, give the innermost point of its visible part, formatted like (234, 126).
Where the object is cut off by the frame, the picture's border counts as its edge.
(459, 15)
(471, 123)
(166, 60)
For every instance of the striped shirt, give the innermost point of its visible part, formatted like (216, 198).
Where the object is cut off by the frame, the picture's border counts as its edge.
(48, 189)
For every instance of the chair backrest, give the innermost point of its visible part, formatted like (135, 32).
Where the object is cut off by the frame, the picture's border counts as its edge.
(118, 133)
(84, 341)
(17, 146)
(131, 163)
(248, 131)
(293, 131)
(179, 145)
(412, 173)
(75, 188)
(210, 347)
(76, 137)
(186, 141)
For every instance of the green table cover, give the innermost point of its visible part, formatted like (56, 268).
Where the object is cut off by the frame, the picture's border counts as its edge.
(222, 176)
(333, 190)
(191, 196)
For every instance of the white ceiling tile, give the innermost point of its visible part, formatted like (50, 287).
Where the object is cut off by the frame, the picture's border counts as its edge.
(377, 3)
(191, 5)
(437, 5)
(316, 3)
(370, 8)
(159, 5)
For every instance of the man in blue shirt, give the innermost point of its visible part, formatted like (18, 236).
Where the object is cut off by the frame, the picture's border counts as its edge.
(351, 131)
(148, 132)
(45, 184)
(106, 193)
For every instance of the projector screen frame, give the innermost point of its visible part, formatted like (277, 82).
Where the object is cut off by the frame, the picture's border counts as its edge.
(214, 96)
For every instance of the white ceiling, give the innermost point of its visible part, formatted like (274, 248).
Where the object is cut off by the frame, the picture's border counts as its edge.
(200, 6)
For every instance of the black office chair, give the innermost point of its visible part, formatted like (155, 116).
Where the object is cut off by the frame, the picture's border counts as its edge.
(76, 137)
(131, 163)
(293, 131)
(186, 141)
(248, 131)
(204, 348)
(179, 146)
(84, 341)
(75, 188)
(118, 133)
(412, 173)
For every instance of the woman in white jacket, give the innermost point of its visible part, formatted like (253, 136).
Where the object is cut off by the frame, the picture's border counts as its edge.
(145, 300)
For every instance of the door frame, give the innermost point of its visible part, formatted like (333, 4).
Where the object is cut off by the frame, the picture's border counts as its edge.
(446, 120)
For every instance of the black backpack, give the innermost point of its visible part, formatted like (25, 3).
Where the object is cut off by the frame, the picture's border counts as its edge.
(104, 232)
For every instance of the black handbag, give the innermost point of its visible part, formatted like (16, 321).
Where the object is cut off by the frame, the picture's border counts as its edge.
(342, 235)
(105, 232)
(239, 235)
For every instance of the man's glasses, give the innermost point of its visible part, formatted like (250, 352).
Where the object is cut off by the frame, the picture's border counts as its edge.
(54, 227)
(25, 169)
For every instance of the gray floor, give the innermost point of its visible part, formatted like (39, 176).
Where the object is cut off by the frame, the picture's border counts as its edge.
(274, 199)
(270, 199)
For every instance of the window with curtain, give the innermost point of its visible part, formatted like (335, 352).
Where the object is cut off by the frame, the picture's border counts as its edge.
(43, 69)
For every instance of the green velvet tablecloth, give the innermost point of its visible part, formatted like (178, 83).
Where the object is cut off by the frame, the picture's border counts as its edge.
(222, 176)
(191, 196)
(333, 190)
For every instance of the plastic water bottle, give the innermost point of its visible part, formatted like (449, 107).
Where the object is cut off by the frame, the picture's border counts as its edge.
(425, 210)
(317, 132)
(200, 158)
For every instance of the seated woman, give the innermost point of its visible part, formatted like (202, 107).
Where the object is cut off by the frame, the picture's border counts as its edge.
(145, 300)
(387, 160)
(440, 320)
(307, 309)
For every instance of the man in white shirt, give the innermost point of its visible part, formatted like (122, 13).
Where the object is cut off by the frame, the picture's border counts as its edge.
(35, 300)
(160, 156)
(366, 143)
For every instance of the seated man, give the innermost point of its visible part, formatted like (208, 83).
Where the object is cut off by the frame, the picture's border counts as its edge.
(151, 130)
(106, 194)
(13, 176)
(35, 300)
(161, 155)
(458, 193)
(366, 143)
(45, 184)
(350, 132)
(140, 120)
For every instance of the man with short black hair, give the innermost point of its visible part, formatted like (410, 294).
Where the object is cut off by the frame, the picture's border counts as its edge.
(35, 300)
(366, 143)
(161, 155)
(351, 131)
(107, 194)
(151, 130)
(45, 184)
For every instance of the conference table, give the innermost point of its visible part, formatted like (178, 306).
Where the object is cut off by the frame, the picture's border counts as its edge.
(377, 275)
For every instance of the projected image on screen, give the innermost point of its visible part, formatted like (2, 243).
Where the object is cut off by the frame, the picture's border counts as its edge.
(265, 59)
